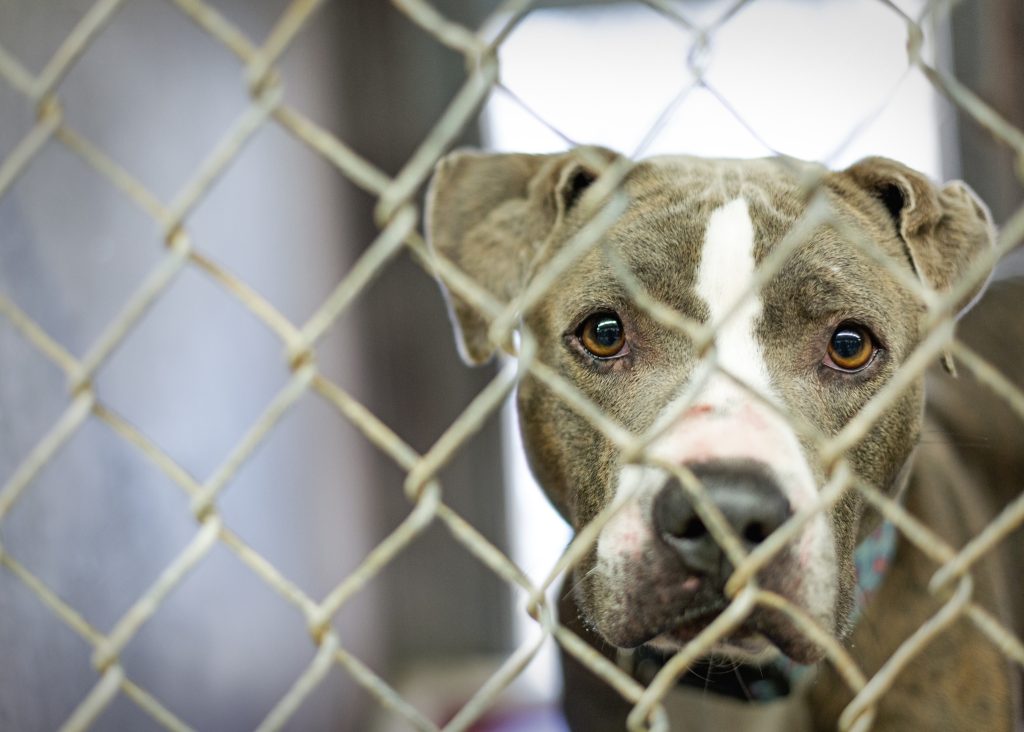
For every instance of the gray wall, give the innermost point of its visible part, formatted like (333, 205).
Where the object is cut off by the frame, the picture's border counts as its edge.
(988, 58)
(398, 81)
(100, 523)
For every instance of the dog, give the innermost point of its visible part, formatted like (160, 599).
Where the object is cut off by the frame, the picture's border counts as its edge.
(822, 335)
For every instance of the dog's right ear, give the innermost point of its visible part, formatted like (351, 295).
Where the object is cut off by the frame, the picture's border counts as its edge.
(945, 229)
(490, 214)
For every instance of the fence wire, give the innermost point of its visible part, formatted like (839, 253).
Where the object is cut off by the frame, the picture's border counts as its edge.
(397, 215)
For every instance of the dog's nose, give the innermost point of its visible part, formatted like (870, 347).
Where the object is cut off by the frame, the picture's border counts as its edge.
(743, 491)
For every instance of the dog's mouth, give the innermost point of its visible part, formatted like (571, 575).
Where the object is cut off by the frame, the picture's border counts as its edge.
(693, 621)
(759, 638)
(745, 643)
(668, 620)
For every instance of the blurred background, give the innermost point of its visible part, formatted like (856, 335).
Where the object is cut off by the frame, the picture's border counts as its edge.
(816, 79)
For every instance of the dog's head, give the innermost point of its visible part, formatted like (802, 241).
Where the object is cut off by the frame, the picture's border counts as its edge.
(791, 361)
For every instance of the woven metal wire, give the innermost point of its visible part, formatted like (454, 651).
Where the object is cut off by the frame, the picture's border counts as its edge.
(397, 215)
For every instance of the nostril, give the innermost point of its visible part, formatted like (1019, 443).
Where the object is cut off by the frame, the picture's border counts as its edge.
(694, 529)
(673, 516)
(755, 533)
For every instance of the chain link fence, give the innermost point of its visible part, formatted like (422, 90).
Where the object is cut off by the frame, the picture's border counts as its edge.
(398, 216)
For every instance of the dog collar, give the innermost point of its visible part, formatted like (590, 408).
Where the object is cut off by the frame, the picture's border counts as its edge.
(872, 560)
(777, 680)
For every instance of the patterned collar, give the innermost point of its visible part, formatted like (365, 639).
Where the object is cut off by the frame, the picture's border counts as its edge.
(872, 560)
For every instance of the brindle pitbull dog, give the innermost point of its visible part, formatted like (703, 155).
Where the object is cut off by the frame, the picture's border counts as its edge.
(818, 341)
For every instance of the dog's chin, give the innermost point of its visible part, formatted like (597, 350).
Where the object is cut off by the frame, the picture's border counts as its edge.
(662, 607)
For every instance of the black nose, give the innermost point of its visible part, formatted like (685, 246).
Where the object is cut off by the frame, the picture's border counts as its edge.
(745, 493)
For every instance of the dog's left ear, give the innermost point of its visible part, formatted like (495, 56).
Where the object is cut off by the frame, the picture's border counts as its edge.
(491, 215)
(944, 229)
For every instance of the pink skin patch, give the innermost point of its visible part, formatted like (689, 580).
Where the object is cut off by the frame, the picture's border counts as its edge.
(697, 410)
(625, 535)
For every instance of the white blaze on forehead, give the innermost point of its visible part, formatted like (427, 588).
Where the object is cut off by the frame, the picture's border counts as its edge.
(726, 271)
(743, 426)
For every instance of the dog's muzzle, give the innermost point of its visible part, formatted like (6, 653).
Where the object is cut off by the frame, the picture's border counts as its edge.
(749, 499)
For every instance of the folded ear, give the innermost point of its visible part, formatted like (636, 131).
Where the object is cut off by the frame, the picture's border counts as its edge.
(491, 214)
(944, 229)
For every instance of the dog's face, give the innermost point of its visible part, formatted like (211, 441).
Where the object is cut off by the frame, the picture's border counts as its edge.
(791, 361)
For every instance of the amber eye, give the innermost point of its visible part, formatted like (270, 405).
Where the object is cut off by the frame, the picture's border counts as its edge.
(602, 335)
(850, 348)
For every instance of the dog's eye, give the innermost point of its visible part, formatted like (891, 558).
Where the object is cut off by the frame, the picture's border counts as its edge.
(602, 335)
(850, 348)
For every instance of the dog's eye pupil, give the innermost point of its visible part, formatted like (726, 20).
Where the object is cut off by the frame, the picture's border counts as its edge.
(851, 347)
(602, 335)
(607, 332)
(847, 343)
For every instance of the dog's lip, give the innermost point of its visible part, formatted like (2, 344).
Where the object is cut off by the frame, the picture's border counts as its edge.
(692, 621)
(760, 624)
(744, 643)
